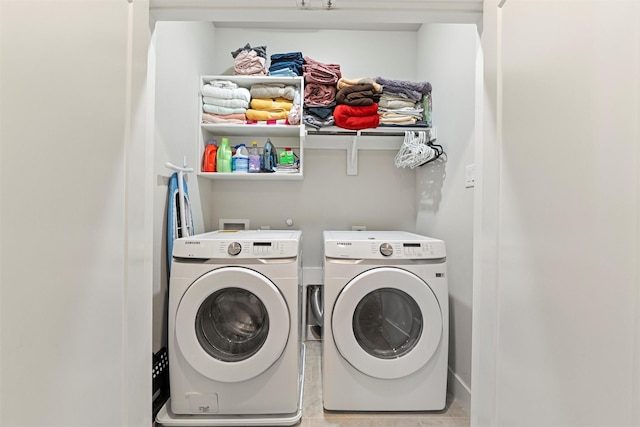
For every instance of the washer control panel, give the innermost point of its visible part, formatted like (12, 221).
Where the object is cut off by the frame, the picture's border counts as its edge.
(257, 249)
(230, 245)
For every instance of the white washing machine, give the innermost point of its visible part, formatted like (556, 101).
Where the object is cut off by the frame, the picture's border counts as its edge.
(235, 357)
(386, 323)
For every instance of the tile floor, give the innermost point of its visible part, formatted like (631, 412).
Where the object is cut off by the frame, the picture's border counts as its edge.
(313, 414)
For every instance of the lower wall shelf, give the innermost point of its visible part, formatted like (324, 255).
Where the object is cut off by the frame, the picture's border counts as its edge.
(333, 138)
(275, 176)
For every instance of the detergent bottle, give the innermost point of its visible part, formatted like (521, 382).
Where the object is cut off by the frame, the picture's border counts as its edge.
(254, 158)
(223, 160)
(241, 159)
(209, 156)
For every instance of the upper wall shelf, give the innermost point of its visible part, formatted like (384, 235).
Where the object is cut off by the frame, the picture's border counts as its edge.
(380, 138)
(299, 136)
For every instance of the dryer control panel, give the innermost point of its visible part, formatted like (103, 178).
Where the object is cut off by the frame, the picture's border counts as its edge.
(381, 245)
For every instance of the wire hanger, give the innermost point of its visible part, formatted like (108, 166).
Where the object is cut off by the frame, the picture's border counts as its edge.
(417, 149)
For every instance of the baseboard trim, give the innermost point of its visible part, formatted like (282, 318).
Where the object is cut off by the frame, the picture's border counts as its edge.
(460, 391)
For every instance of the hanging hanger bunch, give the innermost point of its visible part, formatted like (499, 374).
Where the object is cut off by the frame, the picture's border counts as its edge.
(417, 149)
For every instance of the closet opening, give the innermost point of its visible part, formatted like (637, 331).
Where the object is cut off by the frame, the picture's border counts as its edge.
(442, 48)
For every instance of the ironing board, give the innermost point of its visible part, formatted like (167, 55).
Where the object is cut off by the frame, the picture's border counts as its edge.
(178, 207)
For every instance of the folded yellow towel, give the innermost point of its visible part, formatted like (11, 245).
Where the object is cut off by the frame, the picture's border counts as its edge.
(258, 115)
(271, 104)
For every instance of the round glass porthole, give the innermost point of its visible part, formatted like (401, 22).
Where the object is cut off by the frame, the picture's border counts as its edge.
(387, 323)
(232, 324)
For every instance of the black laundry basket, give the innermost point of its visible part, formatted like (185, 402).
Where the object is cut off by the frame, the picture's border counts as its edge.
(160, 377)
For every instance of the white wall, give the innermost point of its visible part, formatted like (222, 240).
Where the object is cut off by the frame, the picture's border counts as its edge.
(565, 335)
(444, 206)
(390, 54)
(486, 221)
(73, 350)
(181, 51)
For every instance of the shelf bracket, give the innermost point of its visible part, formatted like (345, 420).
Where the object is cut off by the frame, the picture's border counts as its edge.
(352, 155)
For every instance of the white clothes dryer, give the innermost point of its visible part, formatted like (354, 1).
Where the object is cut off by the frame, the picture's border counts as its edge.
(235, 357)
(386, 323)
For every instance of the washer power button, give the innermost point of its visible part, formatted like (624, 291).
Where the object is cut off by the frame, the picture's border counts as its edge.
(386, 249)
(234, 248)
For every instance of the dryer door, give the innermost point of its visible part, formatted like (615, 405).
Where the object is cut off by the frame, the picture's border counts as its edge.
(396, 323)
(232, 324)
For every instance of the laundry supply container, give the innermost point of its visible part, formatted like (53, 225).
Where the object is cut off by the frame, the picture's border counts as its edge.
(240, 161)
(223, 157)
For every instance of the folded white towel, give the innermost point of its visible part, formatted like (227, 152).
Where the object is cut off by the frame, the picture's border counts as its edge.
(216, 92)
(388, 101)
(225, 84)
(273, 90)
(223, 102)
(216, 109)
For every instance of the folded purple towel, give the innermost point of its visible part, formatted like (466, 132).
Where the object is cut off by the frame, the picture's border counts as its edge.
(405, 89)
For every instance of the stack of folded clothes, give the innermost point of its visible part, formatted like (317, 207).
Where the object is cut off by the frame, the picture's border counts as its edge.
(224, 101)
(286, 64)
(271, 103)
(250, 61)
(357, 104)
(404, 103)
(319, 92)
(320, 83)
(318, 117)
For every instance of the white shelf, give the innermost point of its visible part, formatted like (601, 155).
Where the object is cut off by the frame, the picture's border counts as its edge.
(274, 176)
(378, 131)
(381, 138)
(280, 135)
(247, 81)
(298, 136)
(245, 130)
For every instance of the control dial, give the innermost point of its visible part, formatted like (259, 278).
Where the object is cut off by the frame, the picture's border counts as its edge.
(234, 248)
(386, 249)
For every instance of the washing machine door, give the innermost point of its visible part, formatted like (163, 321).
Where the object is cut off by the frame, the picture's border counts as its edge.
(395, 323)
(232, 324)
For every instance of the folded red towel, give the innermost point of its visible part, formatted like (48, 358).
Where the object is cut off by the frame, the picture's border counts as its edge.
(356, 110)
(356, 117)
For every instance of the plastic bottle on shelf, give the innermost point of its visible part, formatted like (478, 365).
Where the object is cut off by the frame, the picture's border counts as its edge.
(254, 158)
(223, 160)
(209, 156)
(241, 159)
